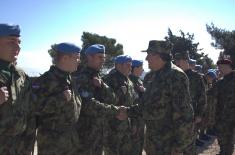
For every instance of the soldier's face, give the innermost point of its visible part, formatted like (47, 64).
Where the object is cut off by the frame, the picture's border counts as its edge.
(96, 61)
(138, 71)
(154, 61)
(9, 48)
(223, 69)
(125, 68)
(72, 61)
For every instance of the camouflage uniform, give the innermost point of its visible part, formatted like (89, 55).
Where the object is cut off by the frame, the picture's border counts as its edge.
(198, 95)
(17, 124)
(197, 91)
(138, 137)
(119, 138)
(167, 111)
(148, 78)
(225, 113)
(93, 112)
(56, 116)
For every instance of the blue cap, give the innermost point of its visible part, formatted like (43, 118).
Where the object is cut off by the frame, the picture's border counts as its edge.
(95, 49)
(192, 62)
(120, 59)
(9, 30)
(66, 48)
(212, 73)
(137, 63)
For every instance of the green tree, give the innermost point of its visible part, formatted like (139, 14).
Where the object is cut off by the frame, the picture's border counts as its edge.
(185, 42)
(224, 40)
(112, 48)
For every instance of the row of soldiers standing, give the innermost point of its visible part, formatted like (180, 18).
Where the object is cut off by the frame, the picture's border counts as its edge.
(82, 113)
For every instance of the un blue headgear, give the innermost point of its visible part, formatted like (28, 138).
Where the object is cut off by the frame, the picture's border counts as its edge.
(95, 49)
(9, 30)
(192, 62)
(137, 63)
(211, 73)
(122, 59)
(66, 48)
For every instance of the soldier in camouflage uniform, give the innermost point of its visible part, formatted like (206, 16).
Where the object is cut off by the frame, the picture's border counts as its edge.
(224, 94)
(165, 104)
(119, 135)
(58, 103)
(97, 100)
(17, 126)
(211, 78)
(138, 136)
(197, 90)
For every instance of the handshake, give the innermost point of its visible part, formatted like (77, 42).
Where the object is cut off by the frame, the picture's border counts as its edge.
(122, 113)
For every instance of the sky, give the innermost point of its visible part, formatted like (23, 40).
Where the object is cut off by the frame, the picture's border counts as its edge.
(131, 22)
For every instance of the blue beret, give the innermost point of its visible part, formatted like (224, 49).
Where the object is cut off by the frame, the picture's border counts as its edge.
(212, 73)
(137, 63)
(66, 48)
(94, 49)
(9, 30)
(122, 59)
(192, 61)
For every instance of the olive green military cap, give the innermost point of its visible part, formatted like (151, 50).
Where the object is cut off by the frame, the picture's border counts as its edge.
(158, 46)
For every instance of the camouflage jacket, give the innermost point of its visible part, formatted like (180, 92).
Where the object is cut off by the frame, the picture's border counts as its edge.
(166, 107)
(224, 94)
(96, 106)
(197, 90)
(95, 101)
(16, 114)
(125, 95)
(137, 82)
(54, 111)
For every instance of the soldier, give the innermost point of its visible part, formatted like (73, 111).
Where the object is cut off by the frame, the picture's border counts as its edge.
(166, 104)
(16, 121)
(58, 103)
(197, 90)
(225, 107)
(97, 100)
(211, 78)
(119, 138)
(138, 136)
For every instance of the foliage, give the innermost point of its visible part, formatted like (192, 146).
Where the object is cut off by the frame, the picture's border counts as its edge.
(224, 40)
(185, 42)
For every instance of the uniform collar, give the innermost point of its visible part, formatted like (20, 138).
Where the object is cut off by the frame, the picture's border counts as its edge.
(59, 73)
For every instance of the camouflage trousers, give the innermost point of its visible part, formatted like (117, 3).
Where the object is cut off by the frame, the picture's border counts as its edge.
(90, 132)
(157, 145)
(57, 142)
(226, 136)
(191, 149)
(118, 143)
(12, 145)
(138, 139)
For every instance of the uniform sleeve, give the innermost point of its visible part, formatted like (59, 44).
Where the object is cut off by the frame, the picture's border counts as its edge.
(182, 113)
(29, 135)
(92, 106)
